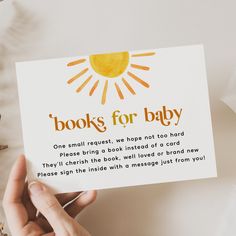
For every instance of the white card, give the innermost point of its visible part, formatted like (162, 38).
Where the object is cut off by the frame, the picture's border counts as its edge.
(117, 119)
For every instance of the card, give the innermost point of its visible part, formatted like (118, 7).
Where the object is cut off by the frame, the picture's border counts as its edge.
(117, 119)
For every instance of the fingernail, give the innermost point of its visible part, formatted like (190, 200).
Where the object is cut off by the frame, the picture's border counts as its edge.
(35, 188)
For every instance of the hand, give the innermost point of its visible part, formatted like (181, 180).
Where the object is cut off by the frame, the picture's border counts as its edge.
(22, 202)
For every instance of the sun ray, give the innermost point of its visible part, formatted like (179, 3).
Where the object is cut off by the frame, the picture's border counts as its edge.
(128, 86)
(135, 77)
(73, 63)
(140, 67)
(111, 65)
(104, 93)
(143, 54)
(77, 76)
(93, 88)
(119, 91)
(84, 84)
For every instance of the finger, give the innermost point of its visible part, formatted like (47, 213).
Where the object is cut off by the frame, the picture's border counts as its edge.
(12, 202)
(49, 206)
(63, 199)
(67, 197)
(43, 223)
(16, 181)
(31, 229)
(85, 199)
(31, 210)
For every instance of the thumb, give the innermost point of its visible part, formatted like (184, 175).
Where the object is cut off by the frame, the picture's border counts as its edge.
(48, 205)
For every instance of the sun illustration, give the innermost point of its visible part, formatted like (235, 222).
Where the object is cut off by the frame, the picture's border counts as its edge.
(114, 68)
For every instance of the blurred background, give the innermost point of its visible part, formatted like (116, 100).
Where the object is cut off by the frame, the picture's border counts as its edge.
(31, 30)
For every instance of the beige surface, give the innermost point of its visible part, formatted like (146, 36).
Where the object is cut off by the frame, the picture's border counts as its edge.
(69, 27)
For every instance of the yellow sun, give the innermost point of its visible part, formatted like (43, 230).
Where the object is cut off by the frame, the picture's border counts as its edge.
(111, 66)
